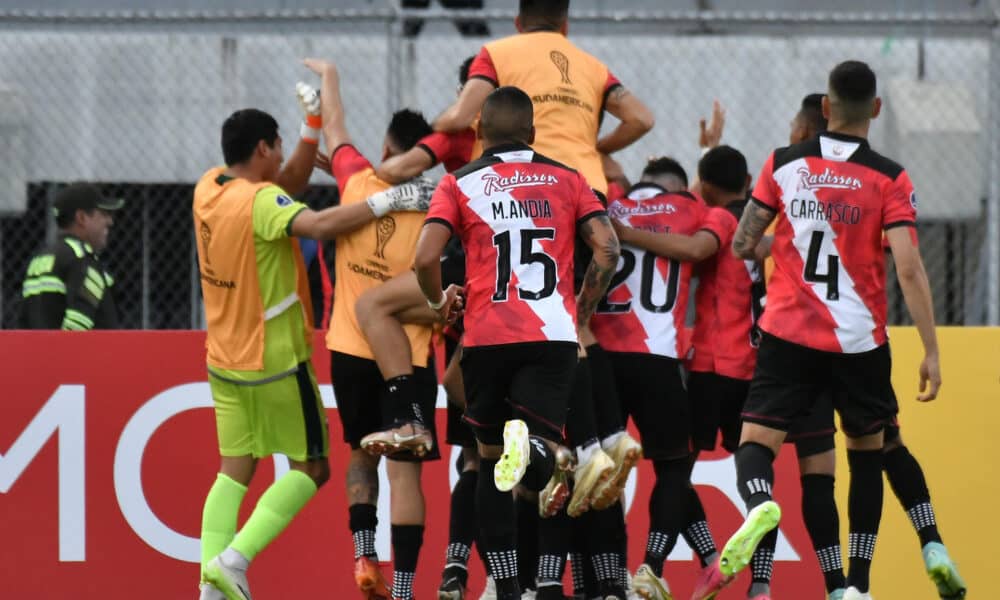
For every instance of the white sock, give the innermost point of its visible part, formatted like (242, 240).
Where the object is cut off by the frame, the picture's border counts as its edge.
(609, 442)
(210, 592)
(585, 453)
(234, 560)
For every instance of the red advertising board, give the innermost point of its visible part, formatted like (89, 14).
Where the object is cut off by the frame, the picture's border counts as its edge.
(107, 448)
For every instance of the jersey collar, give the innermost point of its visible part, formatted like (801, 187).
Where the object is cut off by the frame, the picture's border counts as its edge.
(843, 137)
(504, 148)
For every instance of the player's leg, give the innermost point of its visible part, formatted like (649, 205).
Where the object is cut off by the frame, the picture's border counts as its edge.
(653, 390)
(487, 373)
(910, 486)
(353, 379)
(555, 541)
(222, 504)
(287, 418)
(381, 313)
(863, 397)
(783, 387)
(813, 436)
(407, 504)
(621, 447)
(594, 467)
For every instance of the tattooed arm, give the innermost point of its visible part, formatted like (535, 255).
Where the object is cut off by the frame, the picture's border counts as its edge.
(636, 119)
(749, 233)
(600, 236)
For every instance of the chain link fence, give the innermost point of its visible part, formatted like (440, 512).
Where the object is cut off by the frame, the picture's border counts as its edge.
(134, 102)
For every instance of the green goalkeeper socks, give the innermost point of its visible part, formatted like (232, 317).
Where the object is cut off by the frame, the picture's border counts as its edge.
(275, 509)
(218, 518)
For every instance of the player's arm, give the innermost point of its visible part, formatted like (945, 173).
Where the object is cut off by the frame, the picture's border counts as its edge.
(294, 174)
(332, 106)
(463, 112)
(635, 119)
(427, 264)
(917, 294)
(405, 166)
(750, 231)
(328, 223)
(686, 248)
(598, 233)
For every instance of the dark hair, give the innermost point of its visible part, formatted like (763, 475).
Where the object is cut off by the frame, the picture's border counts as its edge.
(543, 14)
(852, 87)
(507, 116)
(243, 130)
(664, 165)
(812, 112)
(463, 70)
(406, 128)
(724, 167)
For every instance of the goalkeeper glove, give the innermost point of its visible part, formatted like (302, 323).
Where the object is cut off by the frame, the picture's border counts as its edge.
(414, 195)
(309, 102)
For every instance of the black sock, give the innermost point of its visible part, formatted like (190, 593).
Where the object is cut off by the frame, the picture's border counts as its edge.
(554, 543)
(581, 425)
(401, 400)
(363, 521)
(406, 543)
(576, 562)
(822, 520)
(762, 561)
(528, 523)
(667, 511)
(607, 405)
(497, 533)
(864, 512)
(462, 524)
(754, 473)
(540, 467)
(696, 533)
(603, 530)
(908, 483)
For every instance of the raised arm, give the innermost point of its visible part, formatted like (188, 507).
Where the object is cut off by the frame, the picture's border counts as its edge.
(462, 114)
(598, 233)
(749, 233)
(635, 120)
(334, 125)
(294, 175)
(917, 294)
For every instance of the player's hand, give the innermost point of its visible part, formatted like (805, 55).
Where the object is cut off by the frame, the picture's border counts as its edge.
(308, 99)
(613, 171)
(930, 378)
(320, 66)
(414, 195)
(323, 163)
(454, 304)
(711, 132)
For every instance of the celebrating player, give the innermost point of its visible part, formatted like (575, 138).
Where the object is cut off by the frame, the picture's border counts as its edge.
(833, 197)
(517, 213)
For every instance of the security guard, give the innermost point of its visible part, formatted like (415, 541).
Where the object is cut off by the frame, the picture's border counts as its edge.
(66, 287)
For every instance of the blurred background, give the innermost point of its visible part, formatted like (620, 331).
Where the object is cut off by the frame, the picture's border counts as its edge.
(131, 95)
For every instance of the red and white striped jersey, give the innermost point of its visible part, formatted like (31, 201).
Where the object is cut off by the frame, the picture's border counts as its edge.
(728, 305)
(646, 303)
(834, 196)
(517, 214)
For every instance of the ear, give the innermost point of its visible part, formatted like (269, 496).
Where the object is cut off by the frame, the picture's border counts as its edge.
(749, 180)
(531, 136)
(263, 150)
(517, 24)
(825, 103)
(877, 107)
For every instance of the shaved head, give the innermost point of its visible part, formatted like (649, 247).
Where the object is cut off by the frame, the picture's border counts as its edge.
(507, 116)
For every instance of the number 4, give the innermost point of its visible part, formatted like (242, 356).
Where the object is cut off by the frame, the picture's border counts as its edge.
(831, 277)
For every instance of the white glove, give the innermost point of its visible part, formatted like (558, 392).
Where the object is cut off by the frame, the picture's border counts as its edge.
(310, 104)
(414, 195)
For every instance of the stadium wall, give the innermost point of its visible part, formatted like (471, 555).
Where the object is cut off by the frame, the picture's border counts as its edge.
(107, 448)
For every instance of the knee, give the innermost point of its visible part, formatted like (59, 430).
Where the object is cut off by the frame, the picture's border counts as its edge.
(893, 444)
(318, 471)
(368, 309)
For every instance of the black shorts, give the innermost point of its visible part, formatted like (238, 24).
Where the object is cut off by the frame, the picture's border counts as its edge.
(790, 378)
(529, 381)
(716, 404)
(361, 400)
(652, 391)
(814, 433)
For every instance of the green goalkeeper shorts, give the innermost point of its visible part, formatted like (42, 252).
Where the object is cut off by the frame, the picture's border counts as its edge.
(284, 416)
